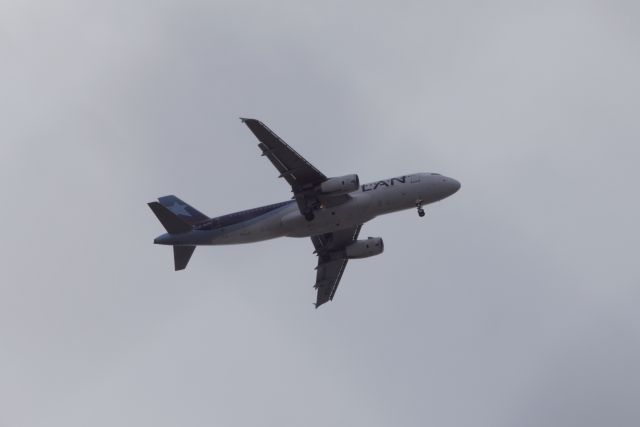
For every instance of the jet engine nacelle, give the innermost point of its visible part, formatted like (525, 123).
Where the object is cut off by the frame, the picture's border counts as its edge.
(365, 248)
(341, 184)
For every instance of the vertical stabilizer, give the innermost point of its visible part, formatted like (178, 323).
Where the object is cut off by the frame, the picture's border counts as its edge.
(170, 221)
(182, 210)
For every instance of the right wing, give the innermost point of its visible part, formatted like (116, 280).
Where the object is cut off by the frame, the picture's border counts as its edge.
(298, 172)
(303, 177)
(331, 261)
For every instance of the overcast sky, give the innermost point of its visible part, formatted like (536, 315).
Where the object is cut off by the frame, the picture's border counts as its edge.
(512, 303)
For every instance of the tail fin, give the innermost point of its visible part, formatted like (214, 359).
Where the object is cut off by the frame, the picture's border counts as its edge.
(177, 217)
(186, 213)
(182, 255)
(170, 221)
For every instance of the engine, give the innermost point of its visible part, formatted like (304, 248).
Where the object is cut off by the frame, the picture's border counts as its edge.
(365, 248)
(340, 185)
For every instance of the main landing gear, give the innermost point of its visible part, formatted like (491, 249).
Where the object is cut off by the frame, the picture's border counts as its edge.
(309, 216)
(420, 210)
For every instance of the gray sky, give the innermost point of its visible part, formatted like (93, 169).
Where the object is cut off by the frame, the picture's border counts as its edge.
(513, 303)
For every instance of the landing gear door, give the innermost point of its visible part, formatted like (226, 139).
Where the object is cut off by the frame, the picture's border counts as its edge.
(415, 178)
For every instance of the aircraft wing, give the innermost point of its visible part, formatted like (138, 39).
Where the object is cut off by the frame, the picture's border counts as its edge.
(298, 172)
(331, 261)
(303, 177)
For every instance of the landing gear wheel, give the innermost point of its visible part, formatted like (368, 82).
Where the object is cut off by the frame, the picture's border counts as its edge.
(309, 216)
(420, 210)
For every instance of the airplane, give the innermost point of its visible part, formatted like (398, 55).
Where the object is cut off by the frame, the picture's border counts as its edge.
(331, 211)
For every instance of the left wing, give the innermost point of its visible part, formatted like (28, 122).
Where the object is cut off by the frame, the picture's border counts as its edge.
(331, 260)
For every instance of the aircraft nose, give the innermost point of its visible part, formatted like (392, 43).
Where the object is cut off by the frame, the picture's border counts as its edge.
(455, 185)
(452, 186)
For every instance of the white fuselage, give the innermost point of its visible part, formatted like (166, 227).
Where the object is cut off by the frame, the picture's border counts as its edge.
(369, 201)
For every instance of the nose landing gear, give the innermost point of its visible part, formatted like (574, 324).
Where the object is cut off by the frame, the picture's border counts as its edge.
(420, 210)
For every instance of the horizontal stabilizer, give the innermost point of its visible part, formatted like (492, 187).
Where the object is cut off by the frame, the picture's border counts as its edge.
(182, 255)
(171, 222)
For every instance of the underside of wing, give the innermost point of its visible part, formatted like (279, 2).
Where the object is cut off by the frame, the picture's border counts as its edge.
(327, 279)
(303, 177)
(298, 172)
(330, 248)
